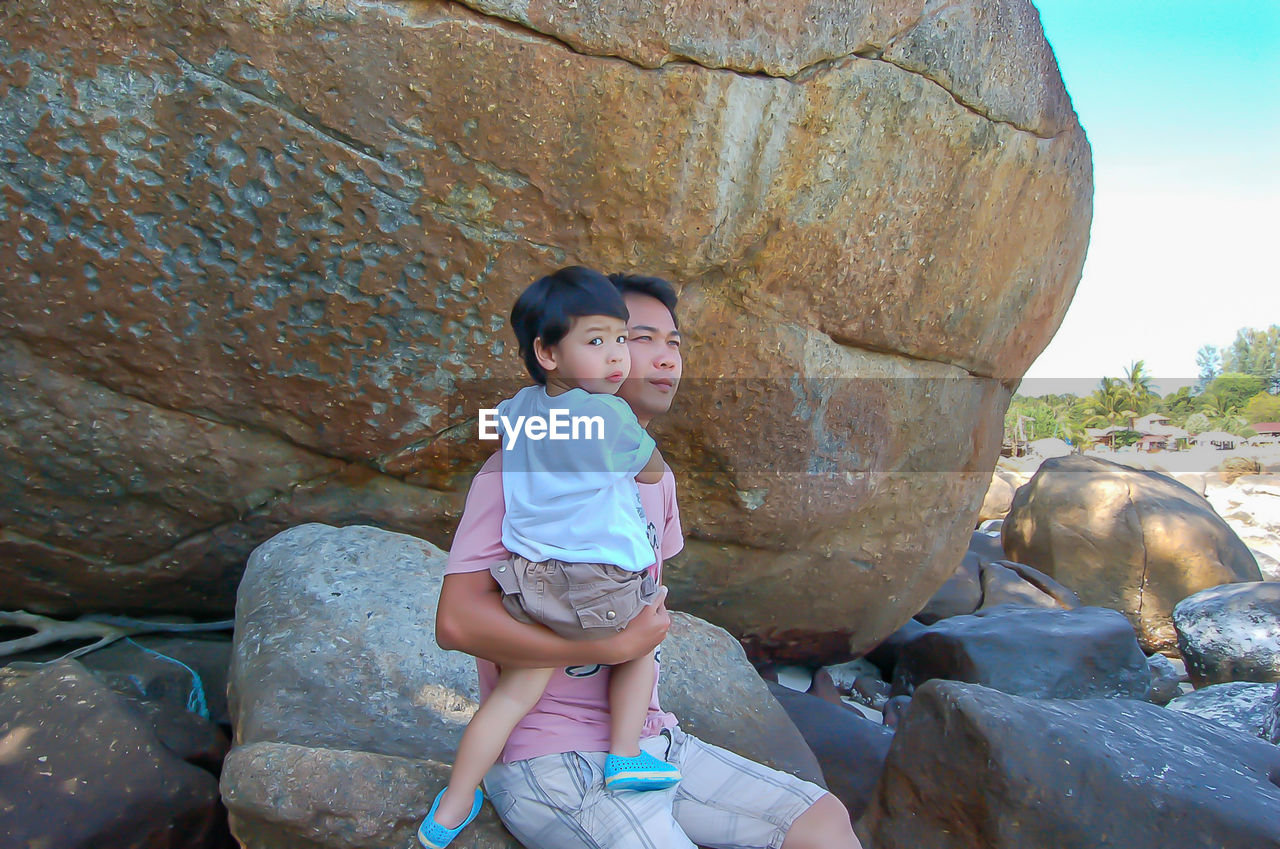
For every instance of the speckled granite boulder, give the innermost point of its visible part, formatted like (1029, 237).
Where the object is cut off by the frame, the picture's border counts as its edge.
(259, 258)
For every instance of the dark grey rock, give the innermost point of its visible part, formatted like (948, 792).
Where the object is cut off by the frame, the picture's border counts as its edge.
(974, 767)
(850, 749)
(1084, 653)
(81, 768)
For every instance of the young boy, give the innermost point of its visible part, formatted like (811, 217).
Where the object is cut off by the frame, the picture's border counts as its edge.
(575, 527)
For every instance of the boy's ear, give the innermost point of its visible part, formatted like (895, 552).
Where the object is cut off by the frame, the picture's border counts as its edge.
(545, 355)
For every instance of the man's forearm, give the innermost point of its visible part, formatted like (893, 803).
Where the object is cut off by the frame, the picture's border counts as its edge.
(471, 618)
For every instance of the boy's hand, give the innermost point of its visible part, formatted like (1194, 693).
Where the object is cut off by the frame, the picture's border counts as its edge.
(643, 634)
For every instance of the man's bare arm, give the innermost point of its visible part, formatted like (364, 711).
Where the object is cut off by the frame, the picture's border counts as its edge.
(470, 618)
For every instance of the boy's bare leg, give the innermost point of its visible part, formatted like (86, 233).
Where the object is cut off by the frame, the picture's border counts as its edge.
(517, 690)
(630, 691)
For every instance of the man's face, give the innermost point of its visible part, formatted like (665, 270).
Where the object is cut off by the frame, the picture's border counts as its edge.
(655, 358)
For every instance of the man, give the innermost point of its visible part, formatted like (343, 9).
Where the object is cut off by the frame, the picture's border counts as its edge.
(548, 788)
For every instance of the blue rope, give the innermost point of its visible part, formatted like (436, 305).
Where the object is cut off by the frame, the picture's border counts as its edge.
(196, 702)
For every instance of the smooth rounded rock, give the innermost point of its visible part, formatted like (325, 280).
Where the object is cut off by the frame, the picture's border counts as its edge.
(1231, 633)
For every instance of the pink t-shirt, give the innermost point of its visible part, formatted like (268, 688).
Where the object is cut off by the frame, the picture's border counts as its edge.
(573, 713)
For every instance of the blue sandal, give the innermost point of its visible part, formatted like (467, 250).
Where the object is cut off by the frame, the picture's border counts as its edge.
(643, 772)
(432, 835)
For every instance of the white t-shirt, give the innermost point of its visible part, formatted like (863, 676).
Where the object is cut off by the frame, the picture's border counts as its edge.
(574, 499)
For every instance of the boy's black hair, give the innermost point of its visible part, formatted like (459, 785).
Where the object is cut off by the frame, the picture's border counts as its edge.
(547, 308)
(654, 287)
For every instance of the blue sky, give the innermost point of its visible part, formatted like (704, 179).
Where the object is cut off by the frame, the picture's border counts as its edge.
(1181, 103)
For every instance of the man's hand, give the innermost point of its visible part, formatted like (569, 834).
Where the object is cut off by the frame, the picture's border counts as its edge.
(643, 634)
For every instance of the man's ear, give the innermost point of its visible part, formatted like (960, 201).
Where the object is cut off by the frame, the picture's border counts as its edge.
(545, 354)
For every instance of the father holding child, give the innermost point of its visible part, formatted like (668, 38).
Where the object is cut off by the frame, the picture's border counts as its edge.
(549, 786)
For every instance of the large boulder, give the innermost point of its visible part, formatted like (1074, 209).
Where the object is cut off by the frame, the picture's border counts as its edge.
(970, 766)
(1046, 654)
(1131, 540)
(336, 682)
(82, 768)
(1230, 633)
(259, 258)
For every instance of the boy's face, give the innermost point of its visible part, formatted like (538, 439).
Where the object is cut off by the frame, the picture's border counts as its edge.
(593, 356)
(656, 364)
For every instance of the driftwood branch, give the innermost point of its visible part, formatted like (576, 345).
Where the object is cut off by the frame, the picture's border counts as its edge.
(103, 629)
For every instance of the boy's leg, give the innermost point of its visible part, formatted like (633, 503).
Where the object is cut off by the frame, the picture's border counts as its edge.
(726, 801)
(559, 802)
(516, 691)
(630, 689)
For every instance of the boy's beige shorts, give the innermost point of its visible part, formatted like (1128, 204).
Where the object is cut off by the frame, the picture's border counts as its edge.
(579, 601)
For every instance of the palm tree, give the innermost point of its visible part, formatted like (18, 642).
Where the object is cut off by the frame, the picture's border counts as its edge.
(1109, 404)
(1138, 385)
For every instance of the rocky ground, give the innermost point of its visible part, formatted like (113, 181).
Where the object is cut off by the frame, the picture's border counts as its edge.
(1010, 712)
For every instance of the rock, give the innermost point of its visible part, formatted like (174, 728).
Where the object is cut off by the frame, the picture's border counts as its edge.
(998, 500)
(961, 594)
(1233, 468)
(885, 655)
(708, 684)
(1238, 705)
(294, 797)
(844, 675)
(1231, 633)
(1134, 541)
(895, 709)
(1271, 724)
(986, 546)
(1006, 582)
(335, 646)
(334, 657)
(261, 267)
(1046, 654)
(850, 749)
(82, 769)
(1165, 680)
(971, 766)
(181, 704)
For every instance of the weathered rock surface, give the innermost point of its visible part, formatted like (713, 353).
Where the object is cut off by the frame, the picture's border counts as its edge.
(980, 583)
(293, 797)
(1134, 541)
(972, 767)
(287, 236)
(81, 768)
(335, 660)
(1085, 653)
(1239, 705)
(1231, 633)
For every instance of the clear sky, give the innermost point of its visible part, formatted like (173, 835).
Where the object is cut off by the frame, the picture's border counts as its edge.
(1181, 103)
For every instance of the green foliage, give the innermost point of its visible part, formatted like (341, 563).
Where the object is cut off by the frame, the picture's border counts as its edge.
(1179, 405)
(1263, 407)
(1229, 392)
(1256, 353)
(1122, 438)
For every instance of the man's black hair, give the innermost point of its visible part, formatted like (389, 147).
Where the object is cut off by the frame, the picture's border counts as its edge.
(654, 287)
(547, 308)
